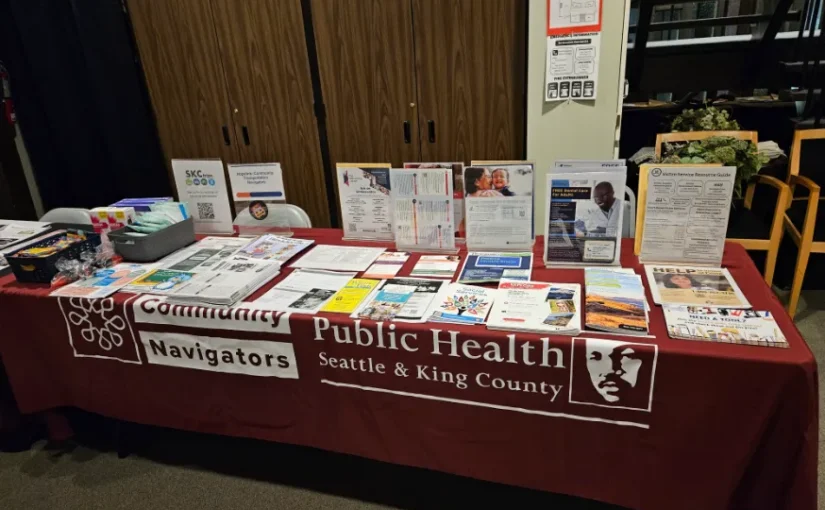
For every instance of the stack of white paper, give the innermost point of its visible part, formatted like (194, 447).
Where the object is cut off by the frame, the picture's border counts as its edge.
(303, 291)
(340, 258)
(537, 307)
(203, 255)
(230, 281)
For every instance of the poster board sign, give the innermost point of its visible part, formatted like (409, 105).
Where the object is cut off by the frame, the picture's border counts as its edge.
(458, 192)
(499, 205)
(686, 214)
(641, 199)
(201, 183)
(422, 208)
(256, 185)
(364, 198)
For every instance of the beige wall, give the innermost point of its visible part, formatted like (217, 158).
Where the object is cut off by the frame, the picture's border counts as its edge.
(574, 130)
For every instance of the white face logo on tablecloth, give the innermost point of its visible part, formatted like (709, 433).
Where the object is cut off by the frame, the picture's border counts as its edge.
(612, 373)
(98, 328)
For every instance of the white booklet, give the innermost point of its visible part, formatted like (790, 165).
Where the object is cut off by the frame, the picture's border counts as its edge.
(694, 286)
(303, 291)
(272, 247)
(203, 255)
(402, 299)
(724, 325)
(537, 307)
(422, 208)
(339, 258)
(464, 304)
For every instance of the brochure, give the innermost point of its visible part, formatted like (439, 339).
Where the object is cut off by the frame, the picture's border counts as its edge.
(387, 265)
(724, 325)
(272, 247)
(339, 258)
(386, 304)
(464, 304)
(694, 286)
(457, 173)
(437, 266)
(685, 214)
(482, 267)
(303, 291)
(159, 281)
(364, 196)
(350, 297)
(422, 206)
(584, 211)
(104, 282)
(14, 232)
(203, 255)
(417, 307)
(498, 201)
(537, 307)
(615, 302)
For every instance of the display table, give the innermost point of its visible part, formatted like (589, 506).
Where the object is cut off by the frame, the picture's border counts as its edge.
(701, 425)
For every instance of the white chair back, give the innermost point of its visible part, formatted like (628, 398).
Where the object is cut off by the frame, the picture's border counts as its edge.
(280, 215)
(629, 220)
(72, 215)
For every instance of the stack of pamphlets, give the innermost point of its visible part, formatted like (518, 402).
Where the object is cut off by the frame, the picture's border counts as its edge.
(694, 286)
(402, 299)
(348, 299)
(387, 265)
(303, 291)
(272, 247)
(203, 255)
(224, 285)
(436, 266)
(484, 267)
(615, 301)
(104, 282)
(464, 304)
(724, 325)
(339, 258)
(537, 307)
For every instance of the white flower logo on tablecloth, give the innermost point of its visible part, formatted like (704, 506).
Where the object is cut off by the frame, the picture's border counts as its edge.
(98, 328)
(107, 336)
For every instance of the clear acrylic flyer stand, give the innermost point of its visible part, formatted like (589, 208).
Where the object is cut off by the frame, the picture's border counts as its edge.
(488, 218)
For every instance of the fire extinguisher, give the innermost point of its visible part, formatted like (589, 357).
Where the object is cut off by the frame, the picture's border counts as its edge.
(7, 102)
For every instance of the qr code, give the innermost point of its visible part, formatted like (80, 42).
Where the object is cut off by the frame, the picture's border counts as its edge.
(206, 211)
(353, 227)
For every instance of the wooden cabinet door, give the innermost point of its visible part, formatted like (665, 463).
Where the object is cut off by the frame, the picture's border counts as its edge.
(182, 64)
(470, 67)
(267, 74)
(365, 56)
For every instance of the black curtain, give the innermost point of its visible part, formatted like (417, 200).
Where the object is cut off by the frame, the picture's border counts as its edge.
(81, 101)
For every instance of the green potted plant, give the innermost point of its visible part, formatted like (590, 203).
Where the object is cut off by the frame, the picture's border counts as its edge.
(708, 118)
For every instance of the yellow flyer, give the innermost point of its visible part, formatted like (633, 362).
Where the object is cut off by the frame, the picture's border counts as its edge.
(347, 299)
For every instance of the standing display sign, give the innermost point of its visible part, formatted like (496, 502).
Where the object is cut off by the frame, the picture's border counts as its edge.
(573, 45)
(685, 215)
(201, 183)
(364, 197)
(422, 208)
(498, 203)
(458, 192)
(255, 186)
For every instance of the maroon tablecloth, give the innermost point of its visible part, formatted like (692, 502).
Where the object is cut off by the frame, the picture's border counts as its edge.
(704, 425)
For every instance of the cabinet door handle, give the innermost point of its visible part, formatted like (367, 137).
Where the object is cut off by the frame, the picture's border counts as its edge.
(226, 140)
(245, 132)
(406, 131)
(431, 130)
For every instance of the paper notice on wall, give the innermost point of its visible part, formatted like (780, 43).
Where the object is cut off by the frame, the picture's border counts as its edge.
(572, 67)
(573, 16)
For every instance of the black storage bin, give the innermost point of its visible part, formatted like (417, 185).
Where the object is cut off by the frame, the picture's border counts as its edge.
(42, 270)
(154, 246)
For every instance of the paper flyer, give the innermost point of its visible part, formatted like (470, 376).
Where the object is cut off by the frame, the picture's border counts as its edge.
(104, 282)
(573, 45)
(724, 325)
(255, 186)
(387, 265)
(160, 281)
(203, 255)
(538, 307)
(584, 212)
(436, 266)
(422, 206)
(488, 267)
(339, 258)
(302, 291)
(464, 304)
(350, 297)
(387, 304)
(201, 183)
(498, 201)
(272, 247)
(364, 197)
(416, 307)
(694, 286)
(457, 170)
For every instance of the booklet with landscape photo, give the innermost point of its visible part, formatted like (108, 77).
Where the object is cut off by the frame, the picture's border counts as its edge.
(615, 302)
